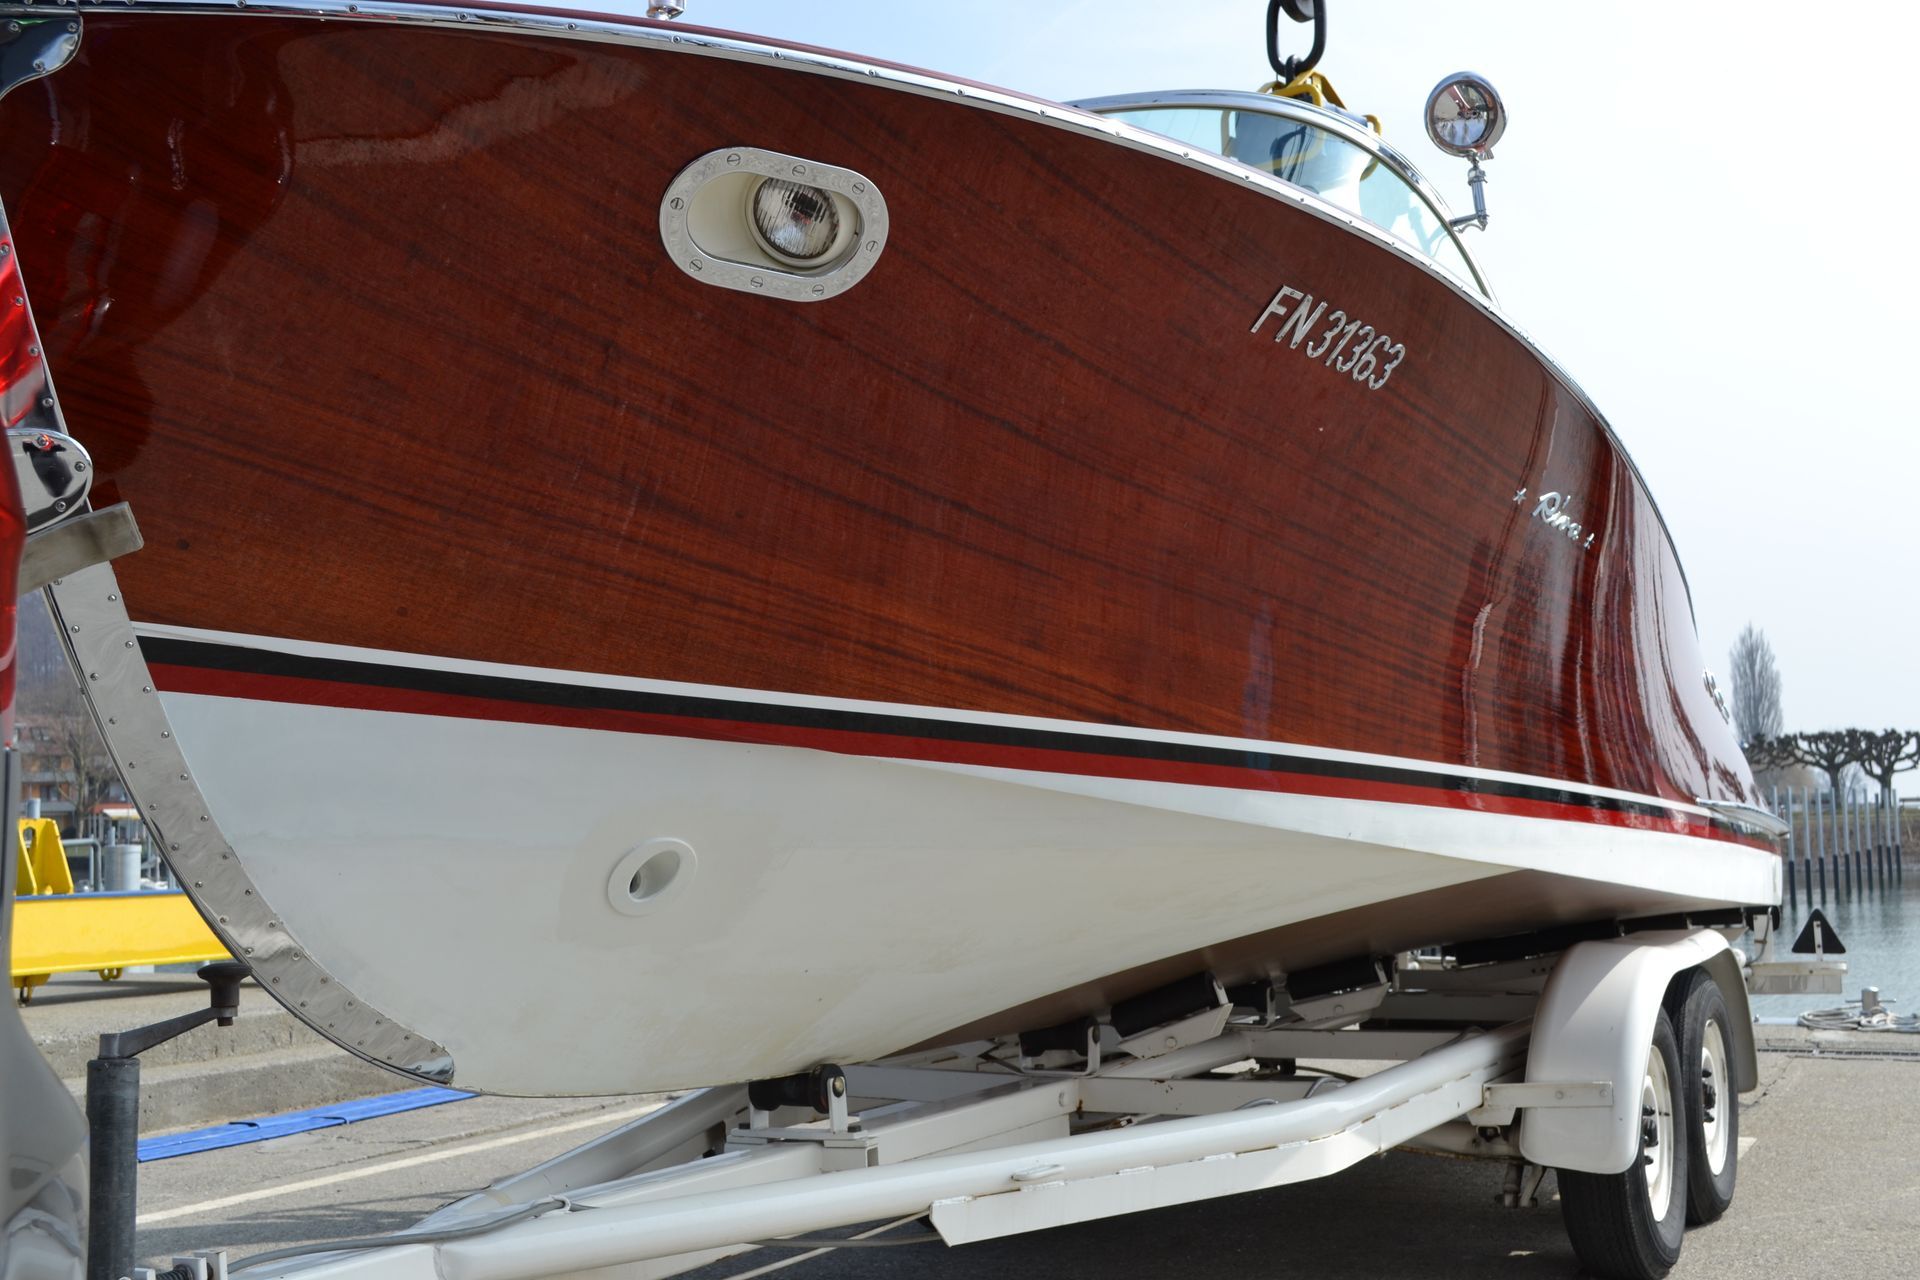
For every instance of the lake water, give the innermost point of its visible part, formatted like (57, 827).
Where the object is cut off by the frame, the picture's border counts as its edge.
(1882, 936)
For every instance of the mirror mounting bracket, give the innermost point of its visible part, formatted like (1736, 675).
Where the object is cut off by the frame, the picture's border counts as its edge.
(1477, 179)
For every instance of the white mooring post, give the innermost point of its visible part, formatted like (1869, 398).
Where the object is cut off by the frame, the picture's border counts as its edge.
(1893, 838)
(1866, 844)
(1858, 803)
(1890, 820)
(1856, 839)
(1793, 849)
(1877, 843)
(1854, 849)
(1802, 841)
(1844, 816)
(1870, 840)
(1889, 815)
(1793, 888)
(1844, 833)
(1817, 823)
(1842, 874)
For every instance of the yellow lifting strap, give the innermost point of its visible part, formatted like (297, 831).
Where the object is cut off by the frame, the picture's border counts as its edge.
(1317, 89)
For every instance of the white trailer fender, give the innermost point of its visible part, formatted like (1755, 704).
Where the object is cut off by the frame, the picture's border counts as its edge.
(1595, 1022)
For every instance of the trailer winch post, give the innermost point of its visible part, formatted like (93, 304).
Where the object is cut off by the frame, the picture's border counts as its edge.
(113, 1121)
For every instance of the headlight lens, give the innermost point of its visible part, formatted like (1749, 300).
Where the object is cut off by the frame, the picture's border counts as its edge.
(794, 221)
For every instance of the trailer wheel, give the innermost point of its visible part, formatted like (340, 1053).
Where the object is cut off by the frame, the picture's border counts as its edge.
(1713, 1107)
(1628, 1226)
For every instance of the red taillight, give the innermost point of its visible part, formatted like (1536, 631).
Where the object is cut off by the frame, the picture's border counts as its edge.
(23, 398)
(23, 375)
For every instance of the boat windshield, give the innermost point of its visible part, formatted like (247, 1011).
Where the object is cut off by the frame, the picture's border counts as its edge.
(1342, 164)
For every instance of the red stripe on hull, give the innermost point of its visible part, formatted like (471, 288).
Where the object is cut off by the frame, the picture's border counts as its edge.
(360, 697)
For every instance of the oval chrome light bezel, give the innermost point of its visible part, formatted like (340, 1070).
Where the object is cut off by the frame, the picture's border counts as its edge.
(707, 224)
(1465, 95)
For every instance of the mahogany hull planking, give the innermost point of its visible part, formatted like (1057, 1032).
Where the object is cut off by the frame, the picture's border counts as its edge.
(373, 327)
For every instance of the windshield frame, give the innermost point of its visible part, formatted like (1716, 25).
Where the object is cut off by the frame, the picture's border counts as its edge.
(1293, 109)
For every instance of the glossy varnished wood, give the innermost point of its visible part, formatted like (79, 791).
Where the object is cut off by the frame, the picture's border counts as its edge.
(374, 328)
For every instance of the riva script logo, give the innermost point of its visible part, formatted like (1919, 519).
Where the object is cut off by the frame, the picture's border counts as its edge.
(1555, 510)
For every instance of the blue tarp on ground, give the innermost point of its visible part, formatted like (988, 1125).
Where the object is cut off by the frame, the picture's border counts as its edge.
(169, 1145)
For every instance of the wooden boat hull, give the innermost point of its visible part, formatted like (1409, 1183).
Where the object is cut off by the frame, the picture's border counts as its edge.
(1030, 581)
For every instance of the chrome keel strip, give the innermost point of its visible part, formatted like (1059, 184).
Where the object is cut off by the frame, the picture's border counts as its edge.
(100, 643)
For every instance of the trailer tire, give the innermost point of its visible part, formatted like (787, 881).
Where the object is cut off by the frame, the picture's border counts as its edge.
(1629, 1225)
(1713, 1105)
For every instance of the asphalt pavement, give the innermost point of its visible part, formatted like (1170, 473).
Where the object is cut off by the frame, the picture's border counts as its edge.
(266, 1062)
(370, 1178)
(1829, 1187)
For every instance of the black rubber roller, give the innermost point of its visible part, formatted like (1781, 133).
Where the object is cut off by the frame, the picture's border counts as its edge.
(816, 1088)
(1071, 1036)
(1193, 994)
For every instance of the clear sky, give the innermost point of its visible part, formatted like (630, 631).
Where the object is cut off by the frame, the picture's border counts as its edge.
(1687, 211)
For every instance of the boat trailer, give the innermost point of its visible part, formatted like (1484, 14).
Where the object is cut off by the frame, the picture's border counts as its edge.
(1539, 1061)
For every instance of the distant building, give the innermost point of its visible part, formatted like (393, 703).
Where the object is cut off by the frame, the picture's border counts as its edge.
(47, 772)
(50, 775)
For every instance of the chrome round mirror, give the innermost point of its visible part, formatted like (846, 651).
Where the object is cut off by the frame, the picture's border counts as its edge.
(1465, 117)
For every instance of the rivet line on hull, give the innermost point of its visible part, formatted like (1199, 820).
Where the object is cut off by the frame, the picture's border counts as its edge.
(87, 607)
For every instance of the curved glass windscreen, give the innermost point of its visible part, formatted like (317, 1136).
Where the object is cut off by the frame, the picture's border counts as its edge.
(1296, 151)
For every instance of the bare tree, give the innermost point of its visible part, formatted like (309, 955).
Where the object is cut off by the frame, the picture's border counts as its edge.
(94, 781)
(1776, 762)
(1883, 754)
(1832, 751)
(1771, 753)
(1757, 711)
(1849, 757)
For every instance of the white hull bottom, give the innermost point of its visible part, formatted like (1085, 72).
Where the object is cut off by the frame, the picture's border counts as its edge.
(474, 880)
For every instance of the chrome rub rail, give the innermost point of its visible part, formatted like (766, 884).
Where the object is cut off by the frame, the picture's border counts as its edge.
(1748, 815)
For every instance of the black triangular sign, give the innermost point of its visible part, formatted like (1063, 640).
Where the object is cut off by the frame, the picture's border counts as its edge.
(1803, 945)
